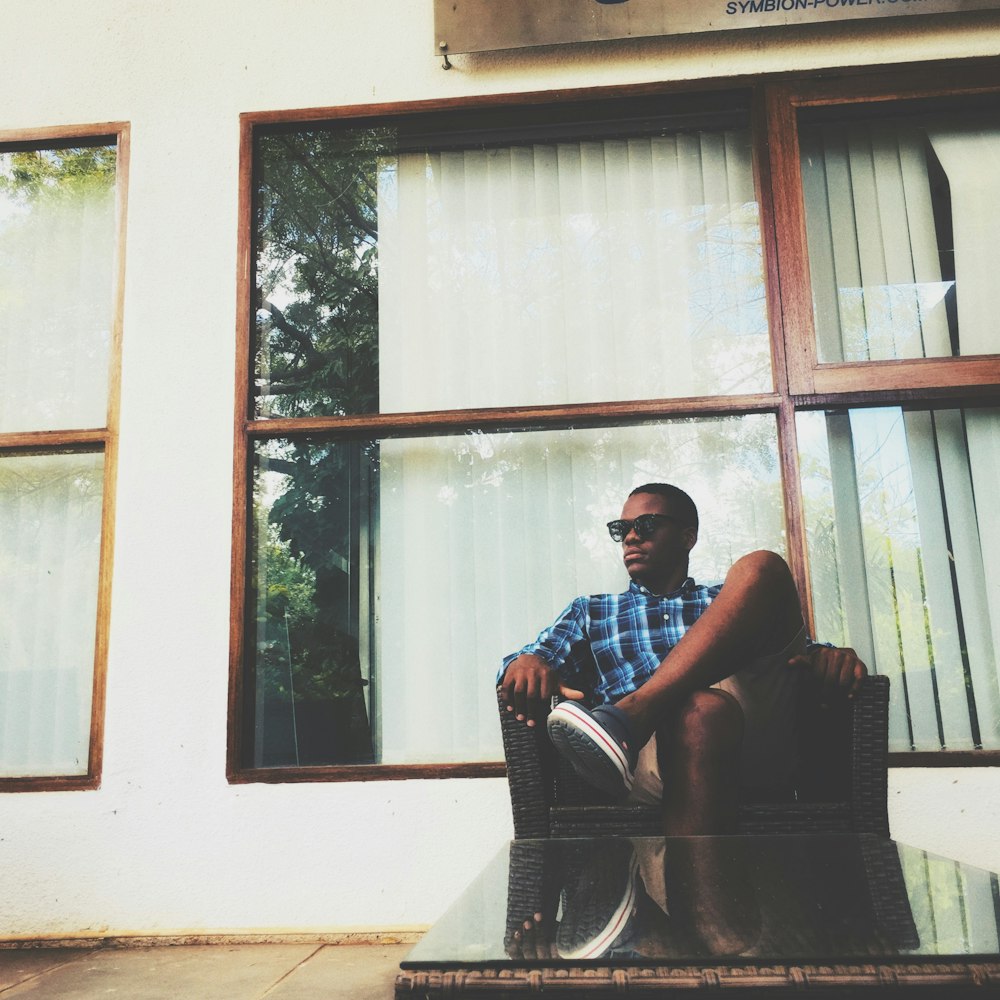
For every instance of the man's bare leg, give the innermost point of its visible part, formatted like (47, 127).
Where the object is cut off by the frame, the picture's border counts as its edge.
(698, 747)
(710, 891)
(756, 613)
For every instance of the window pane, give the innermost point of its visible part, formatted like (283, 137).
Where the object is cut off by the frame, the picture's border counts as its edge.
(50, 536)
(404, 607)
(901, 216)
(905, 553)
(57, 253)
(311, 603)
(563, 272)
(953, 905)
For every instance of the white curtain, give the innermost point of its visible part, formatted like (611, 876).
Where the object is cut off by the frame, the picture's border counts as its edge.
(56, 305)
(57, 253)
(50, 533)
(913, 579)
(622, 269)
(551, 274)
(485, 538)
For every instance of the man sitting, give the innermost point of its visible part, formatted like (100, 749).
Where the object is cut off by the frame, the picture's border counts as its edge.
(694, 686)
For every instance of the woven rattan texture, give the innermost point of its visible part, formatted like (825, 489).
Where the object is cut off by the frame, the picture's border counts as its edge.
(900, 979)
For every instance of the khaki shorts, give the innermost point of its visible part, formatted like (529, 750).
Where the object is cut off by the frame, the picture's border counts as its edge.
(766, 692)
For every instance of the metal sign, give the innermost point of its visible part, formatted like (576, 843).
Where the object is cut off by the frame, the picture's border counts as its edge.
(483, 25)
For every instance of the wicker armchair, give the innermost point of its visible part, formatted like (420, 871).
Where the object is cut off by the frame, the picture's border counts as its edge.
(841, 788)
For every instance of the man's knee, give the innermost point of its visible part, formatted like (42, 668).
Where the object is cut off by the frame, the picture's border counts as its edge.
(709, 721)
(763, 585)
(762, 567)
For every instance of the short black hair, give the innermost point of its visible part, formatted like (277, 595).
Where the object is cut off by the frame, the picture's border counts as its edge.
(684, 507)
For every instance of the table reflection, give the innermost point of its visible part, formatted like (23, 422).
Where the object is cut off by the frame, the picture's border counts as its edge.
(707, 898)
(762, 901)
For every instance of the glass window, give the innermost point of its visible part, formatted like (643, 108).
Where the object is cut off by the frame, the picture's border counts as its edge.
(58, 313)
(954, 906)
(57, 257)
(901, 216)
(311, 621)
(904, 548)
(50, 523)
(390, 577)
(472, 332)
(591, 269)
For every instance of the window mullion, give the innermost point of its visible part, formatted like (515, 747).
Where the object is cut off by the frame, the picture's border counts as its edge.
(795, 529)
(461, 421)
(796, 310)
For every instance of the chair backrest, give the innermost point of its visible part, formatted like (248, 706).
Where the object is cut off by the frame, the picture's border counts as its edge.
(842, 784)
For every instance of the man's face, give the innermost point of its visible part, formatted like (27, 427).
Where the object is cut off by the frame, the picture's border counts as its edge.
(658, 560)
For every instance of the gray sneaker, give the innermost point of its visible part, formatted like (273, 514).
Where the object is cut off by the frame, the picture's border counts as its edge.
(598, 743)
(598, 904)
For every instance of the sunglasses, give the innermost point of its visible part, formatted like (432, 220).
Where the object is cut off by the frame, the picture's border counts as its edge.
(643, 526)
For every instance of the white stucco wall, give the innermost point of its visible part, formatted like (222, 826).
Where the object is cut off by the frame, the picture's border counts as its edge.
(166, 845)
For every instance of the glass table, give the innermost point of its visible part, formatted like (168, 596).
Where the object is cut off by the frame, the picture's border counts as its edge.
(762, 914)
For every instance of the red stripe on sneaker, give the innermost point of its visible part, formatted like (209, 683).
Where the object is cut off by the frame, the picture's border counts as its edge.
(605, 940)
(619, 920)
(598, 733)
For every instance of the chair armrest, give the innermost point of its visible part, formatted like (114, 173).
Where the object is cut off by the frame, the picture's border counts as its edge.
(870, 757)
(529, 774)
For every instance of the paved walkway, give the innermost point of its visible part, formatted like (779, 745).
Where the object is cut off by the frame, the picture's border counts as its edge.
(203, 972)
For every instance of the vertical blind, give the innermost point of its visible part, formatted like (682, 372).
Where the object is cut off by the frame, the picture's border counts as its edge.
(905, 551)
(954, 907)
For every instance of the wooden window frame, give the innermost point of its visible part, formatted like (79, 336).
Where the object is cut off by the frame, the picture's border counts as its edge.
(806, 375)
(103, 439)
(800, 383)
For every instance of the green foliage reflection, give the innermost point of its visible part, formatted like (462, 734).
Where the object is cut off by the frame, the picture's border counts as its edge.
(28, 176)
(316, 318)
(311, 580)
(315, 354)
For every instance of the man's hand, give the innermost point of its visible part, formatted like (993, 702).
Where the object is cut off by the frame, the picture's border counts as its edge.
(534, 940)
(837, 672)
(528, 687)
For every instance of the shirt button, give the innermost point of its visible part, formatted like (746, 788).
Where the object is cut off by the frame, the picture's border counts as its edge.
(666, 618)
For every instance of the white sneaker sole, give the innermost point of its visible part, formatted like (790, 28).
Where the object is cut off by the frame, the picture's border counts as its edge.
(588, 746)
(617, 922)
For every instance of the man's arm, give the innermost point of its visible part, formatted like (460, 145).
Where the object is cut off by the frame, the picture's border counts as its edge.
(532, 675)
(529, 685)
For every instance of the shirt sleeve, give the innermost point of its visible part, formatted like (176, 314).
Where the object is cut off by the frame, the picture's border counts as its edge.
(554, 643)
(816, 644)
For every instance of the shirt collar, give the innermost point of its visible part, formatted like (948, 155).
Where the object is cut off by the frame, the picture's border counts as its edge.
(685, 588)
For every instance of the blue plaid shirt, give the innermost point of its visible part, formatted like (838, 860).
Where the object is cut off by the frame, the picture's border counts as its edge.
(609, 644)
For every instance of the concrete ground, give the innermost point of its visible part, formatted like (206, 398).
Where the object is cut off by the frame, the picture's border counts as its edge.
(202, 972)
